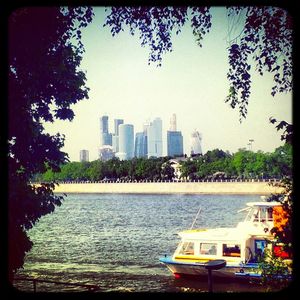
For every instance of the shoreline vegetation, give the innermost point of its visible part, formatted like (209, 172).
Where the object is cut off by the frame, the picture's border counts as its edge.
(169, 187)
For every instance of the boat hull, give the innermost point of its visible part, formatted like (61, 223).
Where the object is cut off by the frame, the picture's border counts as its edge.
(230, 271)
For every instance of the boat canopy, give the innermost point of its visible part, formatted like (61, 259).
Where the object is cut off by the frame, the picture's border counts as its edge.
(263, 204)
(216, 234)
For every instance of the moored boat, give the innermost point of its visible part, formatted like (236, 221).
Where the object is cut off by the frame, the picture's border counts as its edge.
(241, 247)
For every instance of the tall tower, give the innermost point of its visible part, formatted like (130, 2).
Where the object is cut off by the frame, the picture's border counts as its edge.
(115, 136)
(196, 139)
(174, 139)
(174, 143)
(154, 138)
(105, 136)
(140, 145)
(117, 123)
(173, 125)
(104, 124)
(126, 142)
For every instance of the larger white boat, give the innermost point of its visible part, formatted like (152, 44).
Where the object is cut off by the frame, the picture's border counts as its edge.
(241, 246)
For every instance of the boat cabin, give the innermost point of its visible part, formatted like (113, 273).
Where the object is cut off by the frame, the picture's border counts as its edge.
(232, 250)
(260, 211)
(244, 243)
(260, 217)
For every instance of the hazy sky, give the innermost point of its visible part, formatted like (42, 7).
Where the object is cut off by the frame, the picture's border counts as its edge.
(191, 83)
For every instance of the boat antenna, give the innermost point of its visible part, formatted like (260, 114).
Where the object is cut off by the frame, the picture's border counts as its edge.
(196, 217)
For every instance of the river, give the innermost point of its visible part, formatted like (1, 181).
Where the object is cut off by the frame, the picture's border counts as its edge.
(114, 241)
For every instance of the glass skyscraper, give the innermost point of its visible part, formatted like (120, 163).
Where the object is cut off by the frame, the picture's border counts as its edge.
(105, 136)
(174, 143)
(140, 145)
(126, 142)
(117, 123)
(115, 136)
(174, 139)
(154, 138)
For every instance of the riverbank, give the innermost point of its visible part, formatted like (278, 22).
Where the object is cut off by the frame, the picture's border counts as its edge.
(239, 188)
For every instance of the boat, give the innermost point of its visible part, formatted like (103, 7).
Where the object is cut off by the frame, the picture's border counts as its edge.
(240, 247)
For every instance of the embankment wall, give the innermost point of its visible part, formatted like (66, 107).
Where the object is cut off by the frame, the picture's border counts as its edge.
(260, 188)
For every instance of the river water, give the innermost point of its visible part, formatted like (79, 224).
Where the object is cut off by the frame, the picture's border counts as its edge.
(114, 241)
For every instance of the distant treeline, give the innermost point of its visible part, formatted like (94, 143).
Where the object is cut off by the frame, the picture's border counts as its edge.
(214, 164)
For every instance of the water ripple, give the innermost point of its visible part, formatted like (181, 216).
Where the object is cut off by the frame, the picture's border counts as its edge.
(115, 241)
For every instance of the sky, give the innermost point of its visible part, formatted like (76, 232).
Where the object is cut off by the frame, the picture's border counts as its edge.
(191, 83)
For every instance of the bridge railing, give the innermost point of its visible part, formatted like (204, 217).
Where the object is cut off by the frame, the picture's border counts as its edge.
(161, 181)
(88, 287)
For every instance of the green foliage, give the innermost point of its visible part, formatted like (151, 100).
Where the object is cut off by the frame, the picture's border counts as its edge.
(275, 271)
(264, 42)
(243, 164)
(167, 172)
(113, 169)
(44, 80)
(188, 168)
(286, 198)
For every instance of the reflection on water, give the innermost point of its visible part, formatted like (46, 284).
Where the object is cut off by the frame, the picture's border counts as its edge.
(114, 241)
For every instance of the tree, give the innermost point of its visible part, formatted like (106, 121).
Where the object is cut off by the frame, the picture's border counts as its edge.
(44, 79)
(283, 231)
(264, 42)
(278, 259)
(167, 171)
(187, 168)
(95, 170)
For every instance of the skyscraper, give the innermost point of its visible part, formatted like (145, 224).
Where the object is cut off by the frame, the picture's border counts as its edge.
(126, 142)
(173, 125)
(115, 136)
(105, 136)
(154, 138)
(175, 143)
(115, 143)
(84, 155)
(117, 123)
(140, 145)
(196, 139)
(174, 139)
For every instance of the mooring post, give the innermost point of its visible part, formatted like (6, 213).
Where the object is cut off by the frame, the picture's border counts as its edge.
(213, 265)
(210, 281)
(34, 285)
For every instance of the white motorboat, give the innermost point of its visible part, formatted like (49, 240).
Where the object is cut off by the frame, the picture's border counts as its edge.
(241, 246)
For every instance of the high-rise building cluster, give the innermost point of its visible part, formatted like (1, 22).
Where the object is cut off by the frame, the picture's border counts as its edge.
(122, 143)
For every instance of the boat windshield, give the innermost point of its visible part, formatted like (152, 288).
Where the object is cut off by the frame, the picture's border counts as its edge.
(260, 214)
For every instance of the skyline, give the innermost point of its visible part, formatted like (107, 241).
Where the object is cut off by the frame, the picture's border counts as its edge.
(111, 137)
(191, 83)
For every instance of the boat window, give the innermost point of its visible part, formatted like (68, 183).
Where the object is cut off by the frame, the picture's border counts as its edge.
(264, 214)
(208, 248)
(256, 215)
(270, 214)
(187, 248)
(232, 250)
